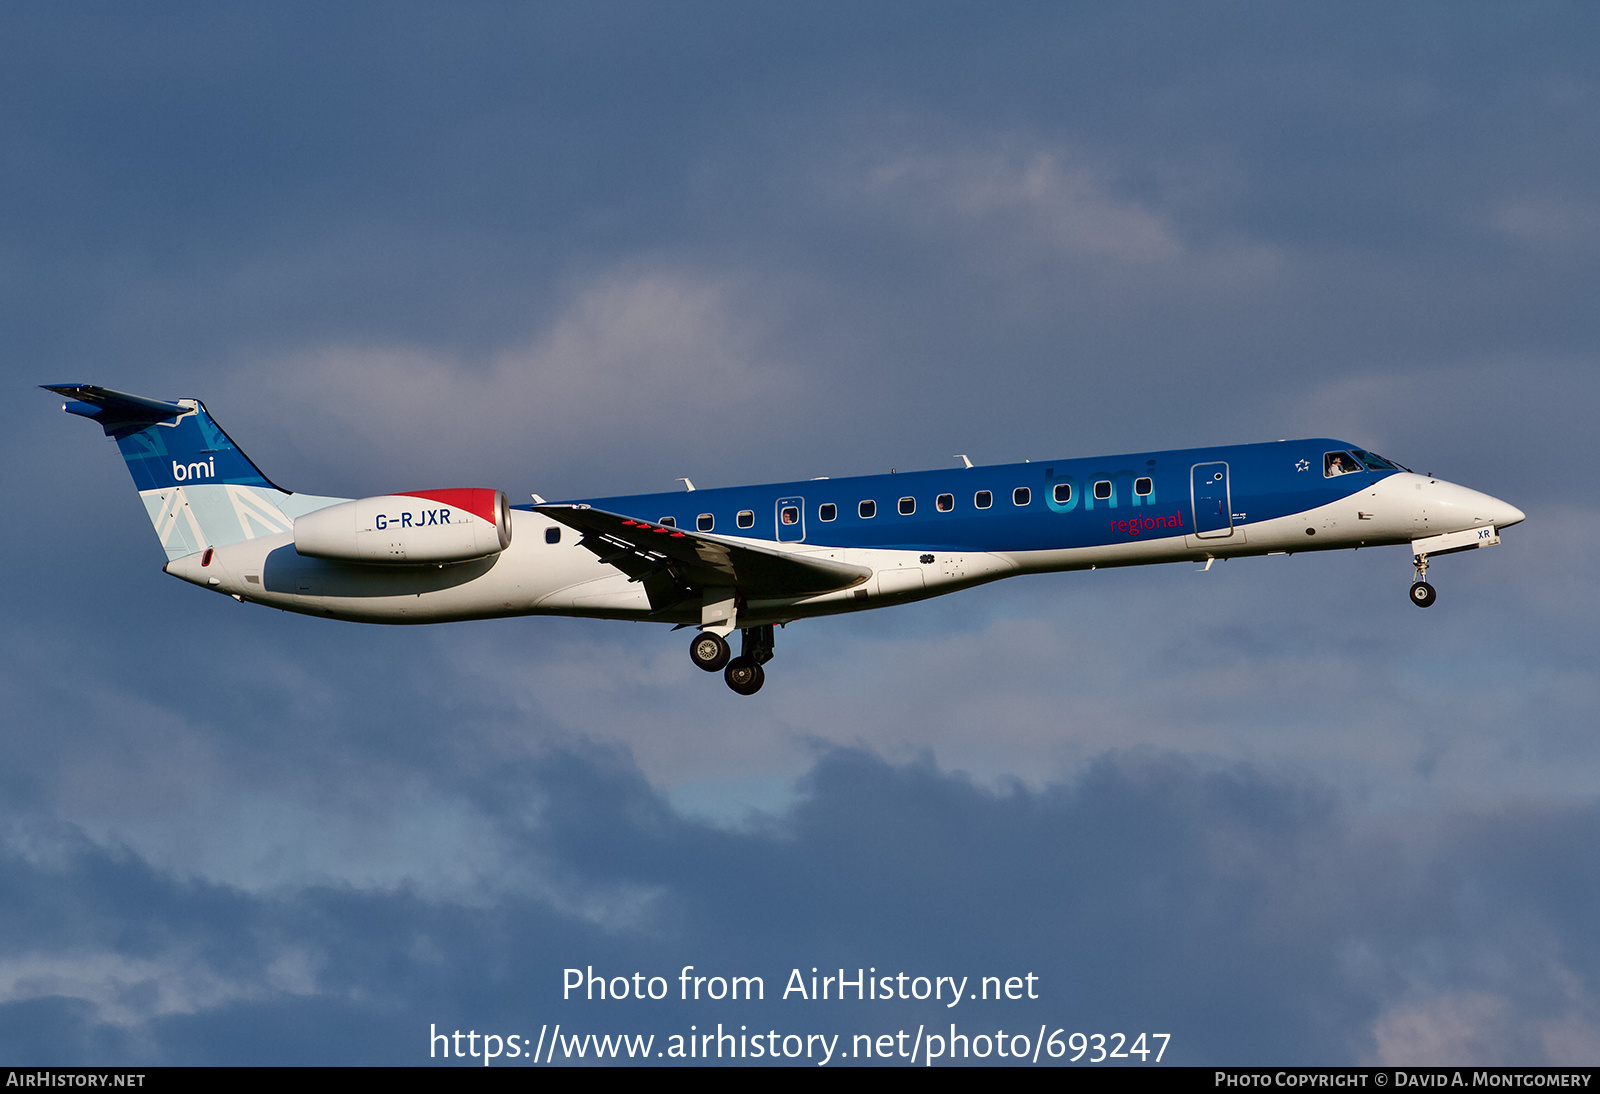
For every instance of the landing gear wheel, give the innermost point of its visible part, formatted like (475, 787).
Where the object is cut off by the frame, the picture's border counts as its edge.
(1422, 594)
(744, 676)
(709, 651)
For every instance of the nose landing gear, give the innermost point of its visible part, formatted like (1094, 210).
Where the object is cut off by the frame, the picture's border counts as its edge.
(1422, 594)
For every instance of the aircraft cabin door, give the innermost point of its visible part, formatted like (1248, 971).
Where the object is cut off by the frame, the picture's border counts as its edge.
(791, 518)
(1213, 505)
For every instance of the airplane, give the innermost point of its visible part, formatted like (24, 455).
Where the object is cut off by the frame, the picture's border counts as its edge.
(751, 558)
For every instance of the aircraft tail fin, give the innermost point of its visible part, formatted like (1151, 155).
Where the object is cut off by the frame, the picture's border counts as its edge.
(199, 489)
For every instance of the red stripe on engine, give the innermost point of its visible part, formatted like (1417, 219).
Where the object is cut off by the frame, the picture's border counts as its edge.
(477, 500)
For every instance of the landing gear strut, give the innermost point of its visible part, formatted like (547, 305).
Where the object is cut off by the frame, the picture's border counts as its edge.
(1422, 594)
(744, 673)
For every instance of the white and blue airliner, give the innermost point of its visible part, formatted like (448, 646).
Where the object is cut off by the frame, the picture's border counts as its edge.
(749, 558)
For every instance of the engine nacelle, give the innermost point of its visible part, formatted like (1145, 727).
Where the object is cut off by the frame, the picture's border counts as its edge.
(422, 526)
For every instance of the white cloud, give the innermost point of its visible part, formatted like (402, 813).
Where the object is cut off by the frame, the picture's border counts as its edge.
(1047, 195)
(127, 991)
(1479, 1027)
(1457, 1028)
(1548, 223)
(1021, 206)
(1571, 1040)
(631, 355)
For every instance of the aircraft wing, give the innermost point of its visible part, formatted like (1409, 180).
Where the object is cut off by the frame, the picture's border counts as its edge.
(693, 561)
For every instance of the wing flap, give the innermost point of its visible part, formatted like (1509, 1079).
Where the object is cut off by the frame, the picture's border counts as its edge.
(695, 561)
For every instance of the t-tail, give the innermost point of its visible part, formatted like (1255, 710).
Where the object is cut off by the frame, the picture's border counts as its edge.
(199, 489)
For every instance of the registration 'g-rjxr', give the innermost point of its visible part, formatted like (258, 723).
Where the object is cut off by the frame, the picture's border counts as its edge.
(747, 558)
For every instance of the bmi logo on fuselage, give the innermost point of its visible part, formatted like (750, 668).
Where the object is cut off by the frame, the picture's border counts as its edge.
(205, 469)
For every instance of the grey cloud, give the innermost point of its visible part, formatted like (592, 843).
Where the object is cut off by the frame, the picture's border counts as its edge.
(1254, 917)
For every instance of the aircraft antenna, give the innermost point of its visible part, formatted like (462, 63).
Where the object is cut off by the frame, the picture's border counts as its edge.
(963, 458)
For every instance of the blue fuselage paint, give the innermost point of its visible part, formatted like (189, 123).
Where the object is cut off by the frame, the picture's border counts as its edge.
(1141, 496)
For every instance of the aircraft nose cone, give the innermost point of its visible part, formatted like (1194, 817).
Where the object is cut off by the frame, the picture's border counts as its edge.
(1507, 514)
(1459, 507)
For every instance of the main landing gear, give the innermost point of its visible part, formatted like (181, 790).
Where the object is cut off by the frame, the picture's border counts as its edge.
(744, 673)
(1422, 594)
(709, 651)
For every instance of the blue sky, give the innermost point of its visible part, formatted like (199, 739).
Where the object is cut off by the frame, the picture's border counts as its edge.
(580, 250)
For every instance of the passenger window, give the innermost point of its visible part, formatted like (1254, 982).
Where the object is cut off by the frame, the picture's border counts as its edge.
(1021, 496)
(552, 535)
(944, 502)
(908, 506)
(789, 514)
(1102, 489)
(1063, 492)
(868, 510)
(705, 522)
(827, 511)
(1338, 463)
(982, 499)
(1143, 487)
(668, 522)
(745, 519)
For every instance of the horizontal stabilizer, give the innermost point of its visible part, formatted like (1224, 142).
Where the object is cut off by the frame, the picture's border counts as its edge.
(695, 561)
(116, 411)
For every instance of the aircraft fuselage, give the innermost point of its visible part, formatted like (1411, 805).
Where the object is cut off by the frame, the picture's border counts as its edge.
(927, 533)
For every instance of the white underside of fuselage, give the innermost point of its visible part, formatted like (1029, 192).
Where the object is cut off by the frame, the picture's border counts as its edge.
(533, 577)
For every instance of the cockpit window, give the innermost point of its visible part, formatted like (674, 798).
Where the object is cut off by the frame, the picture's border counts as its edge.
(1338, 463)
(1374, 461)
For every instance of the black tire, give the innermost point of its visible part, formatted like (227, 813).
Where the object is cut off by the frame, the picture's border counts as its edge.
(744, 676)
(709, 651)
(1422, 594)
